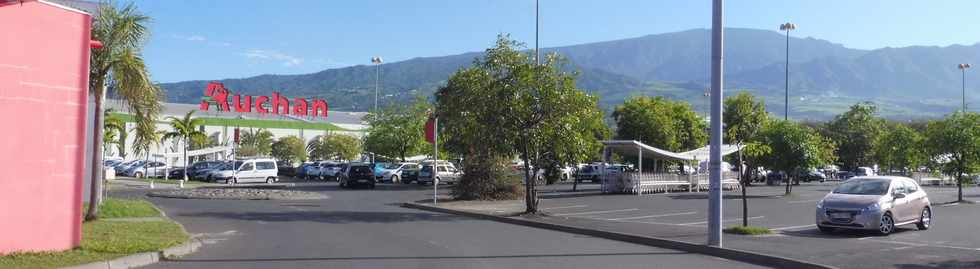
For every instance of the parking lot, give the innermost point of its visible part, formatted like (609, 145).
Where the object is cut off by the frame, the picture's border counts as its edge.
(952, 241)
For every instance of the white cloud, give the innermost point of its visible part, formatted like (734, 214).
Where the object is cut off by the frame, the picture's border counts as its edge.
(272, 55)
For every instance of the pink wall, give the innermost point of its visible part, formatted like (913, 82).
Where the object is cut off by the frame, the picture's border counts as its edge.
(44, 55)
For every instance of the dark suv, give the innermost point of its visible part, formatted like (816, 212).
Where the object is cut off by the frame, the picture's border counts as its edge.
(361, 174)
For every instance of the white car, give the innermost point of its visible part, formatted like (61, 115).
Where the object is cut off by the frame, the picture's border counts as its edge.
(252, 170)
(393, 172)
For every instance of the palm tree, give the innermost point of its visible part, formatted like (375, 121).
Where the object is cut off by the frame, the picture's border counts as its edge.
(114, 132)
(119, 65)
(186, 130)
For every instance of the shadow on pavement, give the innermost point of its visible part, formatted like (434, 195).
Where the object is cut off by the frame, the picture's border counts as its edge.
(437, 257)
(336, 217)
(842, 233)
(944, 264)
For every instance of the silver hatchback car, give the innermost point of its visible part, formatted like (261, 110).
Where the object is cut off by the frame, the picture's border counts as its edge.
(876, 203)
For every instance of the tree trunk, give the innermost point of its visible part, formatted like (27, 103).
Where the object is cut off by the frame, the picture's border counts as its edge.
(959, 187)
(95, 190)
(185, 157)
(788, 183)
(530, 197)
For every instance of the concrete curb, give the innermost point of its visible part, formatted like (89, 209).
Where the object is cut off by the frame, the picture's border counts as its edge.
(143, 258)
(727, 253)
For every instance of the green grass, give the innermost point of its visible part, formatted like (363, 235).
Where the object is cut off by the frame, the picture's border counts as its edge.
(749, 230)
(126, 208)
(255, 123)
(104, 240)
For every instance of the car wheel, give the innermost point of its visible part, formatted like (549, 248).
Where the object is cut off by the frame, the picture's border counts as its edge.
(394, 179)
(925, 219)
(269, 180)
(825, 229)
(886, 225)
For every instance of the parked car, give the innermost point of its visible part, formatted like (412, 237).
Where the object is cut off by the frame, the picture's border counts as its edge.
(444, 172)
(864, 171)
(286, 168)
(199, 170)
(379, 169)
(121, 167)
(328, 170)
(212, 174)
(813, 175)
(877, 203)
(358, 174)
(590, 172)
(845, 175)
(146, 169)
(176, 173)
(301, 169)
(312, 171)
(393, 172)
(252, 170)
(410, 175)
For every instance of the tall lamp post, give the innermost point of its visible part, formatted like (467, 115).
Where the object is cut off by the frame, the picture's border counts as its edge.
(787, 27)
(714, 156)
(377, 61)
(963, 68)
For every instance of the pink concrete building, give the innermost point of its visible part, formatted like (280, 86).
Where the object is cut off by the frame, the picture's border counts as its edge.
(44, 61)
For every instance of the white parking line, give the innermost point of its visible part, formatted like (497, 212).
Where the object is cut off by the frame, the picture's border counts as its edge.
(918, 244)
(655, 216)
(563, 207)
(794, 227)
(728, 220)
(806, 201)
(596, 212)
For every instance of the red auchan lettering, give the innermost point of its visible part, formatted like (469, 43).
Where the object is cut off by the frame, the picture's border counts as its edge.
(279, 104)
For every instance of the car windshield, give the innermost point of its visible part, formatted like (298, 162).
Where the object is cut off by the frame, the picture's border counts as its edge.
(863, 187)
(392, 166)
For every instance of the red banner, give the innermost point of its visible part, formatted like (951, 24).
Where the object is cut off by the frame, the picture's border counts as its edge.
(430, 131)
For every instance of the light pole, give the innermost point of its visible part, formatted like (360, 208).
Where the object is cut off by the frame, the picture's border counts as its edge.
(787, 27)
(714, 156)
(537, 28)
(377, 61)
(963, 68)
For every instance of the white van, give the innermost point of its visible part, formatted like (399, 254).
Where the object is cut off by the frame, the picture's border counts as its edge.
(252, 170)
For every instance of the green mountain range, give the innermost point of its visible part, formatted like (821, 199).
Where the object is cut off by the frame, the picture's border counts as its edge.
(825, 78)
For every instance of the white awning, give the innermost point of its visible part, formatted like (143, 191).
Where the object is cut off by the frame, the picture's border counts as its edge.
(631, 148)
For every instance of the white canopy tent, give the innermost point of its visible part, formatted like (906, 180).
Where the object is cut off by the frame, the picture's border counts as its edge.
(638, 150)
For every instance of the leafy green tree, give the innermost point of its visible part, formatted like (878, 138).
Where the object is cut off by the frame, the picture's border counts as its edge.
(334, 147)
(855, 133)
(398, 130)
(256, 143)
(743, 117)
(954, 144)
(290, 148)
(793, 147)
(185, 130)
(118, 64)
(900, 147)
(659, 122)
(505, 104)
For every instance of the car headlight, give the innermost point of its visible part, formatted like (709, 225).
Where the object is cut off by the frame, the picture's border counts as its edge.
(871, 208)
(820, 204)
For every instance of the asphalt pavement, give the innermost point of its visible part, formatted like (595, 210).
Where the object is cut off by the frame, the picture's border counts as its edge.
(367, 229)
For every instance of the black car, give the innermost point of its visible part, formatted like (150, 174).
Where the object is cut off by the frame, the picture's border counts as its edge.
(198, 169)
(845, 175)
(410, 175)
(176, 173)
(361, 174)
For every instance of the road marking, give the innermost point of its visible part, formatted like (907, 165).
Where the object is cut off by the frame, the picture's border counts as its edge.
(794, 227)
(948, 205)
(728, 220)
(563, 207)
(654, 216)
(919, 244)
(801, 202)
(596, 212)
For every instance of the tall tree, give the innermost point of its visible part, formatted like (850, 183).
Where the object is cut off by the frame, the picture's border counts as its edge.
(744, 116)
(659, 122)
(855, 133)
(505, 104)
(256, 143)
(793, 147)
(118, 65)
(954, 145)
(900, 147)
(398, 130)
(290, 148)
(334, 147)
(185, 130)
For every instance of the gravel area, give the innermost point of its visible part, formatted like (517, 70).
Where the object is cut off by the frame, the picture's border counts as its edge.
(238, 193)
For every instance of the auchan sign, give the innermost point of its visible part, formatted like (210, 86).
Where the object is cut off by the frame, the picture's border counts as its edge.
(277, 104)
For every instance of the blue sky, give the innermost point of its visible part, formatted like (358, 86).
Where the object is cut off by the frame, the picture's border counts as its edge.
(233, 39)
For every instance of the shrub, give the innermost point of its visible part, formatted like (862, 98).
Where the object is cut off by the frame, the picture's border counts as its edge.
(750, 230)
(488, 178)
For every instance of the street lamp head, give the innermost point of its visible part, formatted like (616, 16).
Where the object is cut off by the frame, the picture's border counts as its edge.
(964, 66)
(787, 26)
(376, 60)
